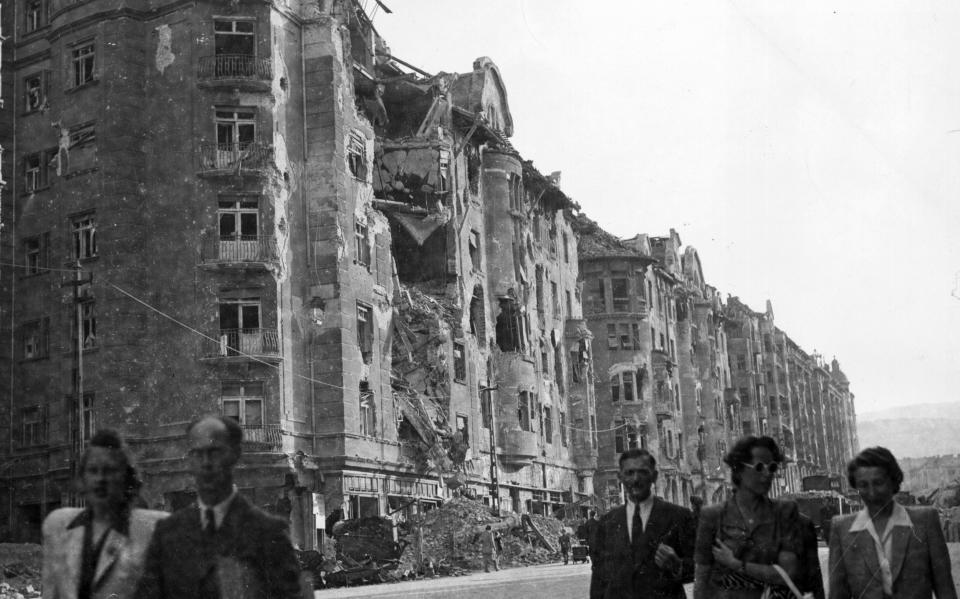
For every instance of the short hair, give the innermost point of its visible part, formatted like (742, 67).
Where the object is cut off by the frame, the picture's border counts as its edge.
(234, 432)
(488, 527)
(635, 452)
(742, 453)
(875, 457)
(111, 440)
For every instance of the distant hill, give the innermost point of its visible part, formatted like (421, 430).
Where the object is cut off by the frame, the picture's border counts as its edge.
(913, 431)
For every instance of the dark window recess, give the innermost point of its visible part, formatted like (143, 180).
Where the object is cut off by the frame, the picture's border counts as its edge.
(362, 243)
(558, 377)
(459, 363)
(36, 251)
(510, 327)
(620, 438)
(35, 15)
(478, 317)
(538, 275)
(368, 417)
(548, 424)
(474, 243)
(486, 407)
(523, 410)
(35, 92)
(33, 426)
(357, 155)
(365, 332)
(563, 429)
(35, 339)
(83, 62)
(621, 295)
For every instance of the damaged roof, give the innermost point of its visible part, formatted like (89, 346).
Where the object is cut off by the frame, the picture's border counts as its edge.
(549, 194)
(594, 242)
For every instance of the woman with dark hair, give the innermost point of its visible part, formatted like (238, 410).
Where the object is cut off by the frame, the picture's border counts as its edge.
(742, 542)
(98, 551)
(887, 550)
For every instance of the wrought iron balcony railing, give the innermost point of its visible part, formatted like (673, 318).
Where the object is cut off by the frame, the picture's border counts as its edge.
(238, 343)
(268, 436)
(235, 157)
(239, 249)
(235, 66)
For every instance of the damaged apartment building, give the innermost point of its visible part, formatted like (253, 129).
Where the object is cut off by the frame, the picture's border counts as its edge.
(684, 374)
(253, 209)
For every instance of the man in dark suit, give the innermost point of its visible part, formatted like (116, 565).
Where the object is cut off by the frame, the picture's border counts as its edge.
(645, 547)
(224, 547)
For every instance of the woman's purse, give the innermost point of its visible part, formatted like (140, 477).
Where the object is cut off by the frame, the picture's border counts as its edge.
(778, 592)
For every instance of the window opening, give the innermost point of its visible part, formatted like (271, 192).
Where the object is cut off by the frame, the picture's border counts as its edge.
(242, 401)
(82, 59)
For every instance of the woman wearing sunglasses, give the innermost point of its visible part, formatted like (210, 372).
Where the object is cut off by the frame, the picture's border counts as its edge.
(740, 540)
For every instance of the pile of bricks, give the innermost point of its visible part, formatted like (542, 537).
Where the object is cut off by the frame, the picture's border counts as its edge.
(20, 570)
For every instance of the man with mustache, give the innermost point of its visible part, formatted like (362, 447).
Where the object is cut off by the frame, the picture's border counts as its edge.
(644, 548)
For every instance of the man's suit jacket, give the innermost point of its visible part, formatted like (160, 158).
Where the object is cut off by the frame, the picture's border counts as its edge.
(622, 572)
(248, 557)
(121, 559)
(920, 564)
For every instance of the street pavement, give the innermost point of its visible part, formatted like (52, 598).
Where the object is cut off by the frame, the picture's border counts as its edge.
(553, 581)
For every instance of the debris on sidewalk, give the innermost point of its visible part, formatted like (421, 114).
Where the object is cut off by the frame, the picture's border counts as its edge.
(20, 565)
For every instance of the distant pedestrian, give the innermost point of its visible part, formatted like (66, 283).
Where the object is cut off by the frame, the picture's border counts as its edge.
(565, 546)
(488, 546)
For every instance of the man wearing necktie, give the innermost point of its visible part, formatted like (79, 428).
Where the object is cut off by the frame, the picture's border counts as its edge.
(644, 547)
(224, 547)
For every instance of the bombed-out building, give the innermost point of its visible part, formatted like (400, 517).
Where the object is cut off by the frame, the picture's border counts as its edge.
(253, 209)
(684, 373)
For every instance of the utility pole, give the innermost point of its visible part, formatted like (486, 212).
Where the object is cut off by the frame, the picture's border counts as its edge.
(494, 466)
(80, 420)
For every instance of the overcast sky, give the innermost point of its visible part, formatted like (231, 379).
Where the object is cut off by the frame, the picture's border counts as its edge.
(810, 151)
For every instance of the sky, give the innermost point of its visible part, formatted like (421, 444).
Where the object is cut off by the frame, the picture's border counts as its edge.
(809, 151)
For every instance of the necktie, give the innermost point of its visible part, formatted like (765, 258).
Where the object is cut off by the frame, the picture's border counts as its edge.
(636, 530)
(211, 526)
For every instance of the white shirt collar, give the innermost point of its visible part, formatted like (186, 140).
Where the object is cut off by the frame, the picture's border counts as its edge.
(646, 506)
(898, 517)
(219, 510)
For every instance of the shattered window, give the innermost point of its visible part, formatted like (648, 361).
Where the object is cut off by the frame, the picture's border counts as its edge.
(510, 325)
(233, 38)
(85, 237)
(443, 183)
(236, 132)
(35, 15)
(459, 363)
(35, 337)
(563, 429)
(242, 401)
(33, 426)
(34, 172)
(365, 332)
(357, 155)
(558, 367)
(477, 314)
(463, 429)
(523, 411)
(34, 92)
(82, 62)
(362, 243)
(486, 408)
(548, 424)
(367, 410)
(576, 369)
(88, 324)
(34, 252)
(475, 250)
(621, 294)
(626, 340)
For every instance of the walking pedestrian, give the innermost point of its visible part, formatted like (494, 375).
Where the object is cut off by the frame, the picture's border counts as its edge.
(565, 546)
(488, 547)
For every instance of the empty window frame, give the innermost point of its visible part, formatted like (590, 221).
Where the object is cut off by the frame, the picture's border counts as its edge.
(33, 426)
(361, 243)
(243, 401)
(443, 174)
(35, 339)
(35, 15)
(357, 155)
(523, 410)
(563, 429)
(82, 63)
(35, 91)
(236, 128)
(35, 254)
(234, 37)
(367, 417)
(365, 332)
(486, 407)
(35, 170)
(463, 427)
(84, 237)
(88, 324)
(622, 387)
(548, 424)
(621, 294)
(566, 247)
(459, 363)
(474, 248)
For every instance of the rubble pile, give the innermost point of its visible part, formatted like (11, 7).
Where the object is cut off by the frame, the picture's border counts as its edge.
(20, 570)
(451, 539)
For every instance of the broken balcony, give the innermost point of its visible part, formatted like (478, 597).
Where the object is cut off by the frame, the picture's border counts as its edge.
(235, 71)
(262, 437)
(237, 345)
(242, 251)
(517, 446)
(243, 158)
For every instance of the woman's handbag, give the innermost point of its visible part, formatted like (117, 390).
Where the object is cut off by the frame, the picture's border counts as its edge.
(777, 592)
